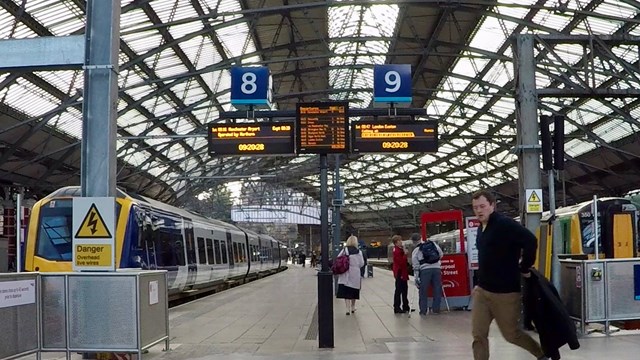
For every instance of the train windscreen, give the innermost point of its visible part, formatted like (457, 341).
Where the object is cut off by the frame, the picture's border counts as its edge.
(54, 233)
(588, 233)
(54, 238)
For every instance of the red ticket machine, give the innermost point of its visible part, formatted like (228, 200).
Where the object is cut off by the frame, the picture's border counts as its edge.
(455, 267)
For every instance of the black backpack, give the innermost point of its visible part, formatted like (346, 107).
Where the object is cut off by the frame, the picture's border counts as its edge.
(430, 253)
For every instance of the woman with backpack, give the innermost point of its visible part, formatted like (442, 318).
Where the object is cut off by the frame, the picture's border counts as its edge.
(349, 281)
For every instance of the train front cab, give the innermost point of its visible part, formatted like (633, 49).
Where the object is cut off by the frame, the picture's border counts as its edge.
(617, 232)
(48, 243)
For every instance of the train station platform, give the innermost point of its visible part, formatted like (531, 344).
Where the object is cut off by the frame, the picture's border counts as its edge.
(275, 318)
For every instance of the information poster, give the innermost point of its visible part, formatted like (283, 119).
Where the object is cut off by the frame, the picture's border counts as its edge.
(472, 224)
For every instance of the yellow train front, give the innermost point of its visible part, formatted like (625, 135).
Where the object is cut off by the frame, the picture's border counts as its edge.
(199, 253)
(617, 231)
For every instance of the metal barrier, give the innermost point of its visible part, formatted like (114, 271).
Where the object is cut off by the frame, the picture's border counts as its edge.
(599, 290)
(110, 312)
(121, 312)
(19, 313)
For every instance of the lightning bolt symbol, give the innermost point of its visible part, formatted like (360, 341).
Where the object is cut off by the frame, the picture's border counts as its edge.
(93, 223)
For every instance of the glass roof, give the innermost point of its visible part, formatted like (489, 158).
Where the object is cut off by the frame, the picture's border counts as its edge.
(174, 79)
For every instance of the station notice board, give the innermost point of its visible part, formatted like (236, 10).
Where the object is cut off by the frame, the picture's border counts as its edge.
(322, 127)
(275, 138)
(395, 136)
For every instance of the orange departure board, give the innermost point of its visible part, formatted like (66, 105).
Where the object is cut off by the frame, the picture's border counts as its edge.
(395, 136)
(275, 138)
(322, 127)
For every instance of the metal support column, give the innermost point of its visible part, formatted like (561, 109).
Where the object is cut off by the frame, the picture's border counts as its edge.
(336, 209)
(527, 124)
(325, 276)
(99, 112)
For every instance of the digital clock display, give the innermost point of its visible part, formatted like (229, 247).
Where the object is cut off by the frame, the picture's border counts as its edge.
(274, 138)
(395, 136)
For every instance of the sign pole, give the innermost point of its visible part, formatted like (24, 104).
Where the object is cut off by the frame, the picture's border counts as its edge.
(19, 232)
(325, 276)
(595, 226)
(556, 245)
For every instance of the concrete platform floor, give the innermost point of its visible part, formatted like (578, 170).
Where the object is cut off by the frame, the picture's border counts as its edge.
(271, 319)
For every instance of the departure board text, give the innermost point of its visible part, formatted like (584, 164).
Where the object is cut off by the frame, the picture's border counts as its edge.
(395, 136)
(322, 127)
(251, 138)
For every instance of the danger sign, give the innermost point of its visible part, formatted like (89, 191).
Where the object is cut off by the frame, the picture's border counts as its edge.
(93, 229)
(534, 200)
(93, 226)
(93, 255)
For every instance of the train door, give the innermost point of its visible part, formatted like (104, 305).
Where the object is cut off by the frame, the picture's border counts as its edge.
(623, 236)
(618, 229)
(230, 250)
(190, 244)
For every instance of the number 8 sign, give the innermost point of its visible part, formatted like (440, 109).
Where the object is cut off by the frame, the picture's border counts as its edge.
(250, 86)
(392, 83)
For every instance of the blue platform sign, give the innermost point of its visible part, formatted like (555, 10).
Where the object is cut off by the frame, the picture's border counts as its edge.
(636, 281)
(392, 83)
(250, 86)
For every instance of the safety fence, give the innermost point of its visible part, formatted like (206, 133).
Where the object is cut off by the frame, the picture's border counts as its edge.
(92, 312)
(601, 291)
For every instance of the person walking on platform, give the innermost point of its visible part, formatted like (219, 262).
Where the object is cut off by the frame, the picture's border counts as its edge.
(401, 275)
(500, 242)
(302, 259)
(349, 282)
(425, 260)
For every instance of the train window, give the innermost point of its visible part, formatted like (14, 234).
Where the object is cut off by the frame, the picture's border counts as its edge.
(234, 251)
(588, 235)
(210, 251)
(223, 250)
(54, 234)
(244, 253)
(202, 251)
(191, 246)
(178, 248)
(166, 252)
(218, 252)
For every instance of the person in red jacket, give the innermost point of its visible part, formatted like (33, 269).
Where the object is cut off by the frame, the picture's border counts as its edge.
(401, 274)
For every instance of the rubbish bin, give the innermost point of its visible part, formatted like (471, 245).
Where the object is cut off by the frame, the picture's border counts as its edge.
(369, 270)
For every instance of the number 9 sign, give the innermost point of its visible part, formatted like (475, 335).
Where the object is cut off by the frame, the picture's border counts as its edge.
(392, 83)
(250, 86)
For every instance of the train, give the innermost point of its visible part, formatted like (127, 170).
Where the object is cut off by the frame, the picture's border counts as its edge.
(198, 253)
(618, 225)
(617, 231)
